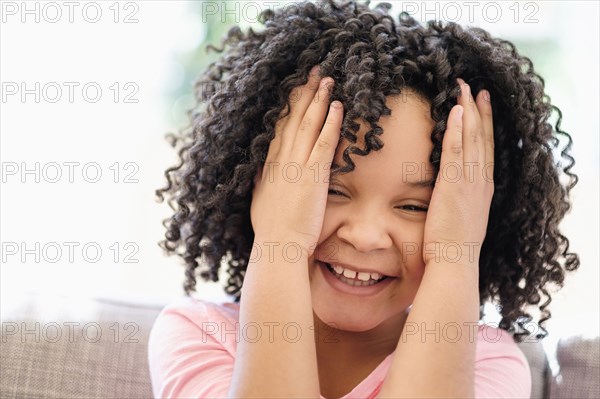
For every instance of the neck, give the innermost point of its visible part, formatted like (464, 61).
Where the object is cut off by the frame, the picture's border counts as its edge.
(345, 358)
(377, 342)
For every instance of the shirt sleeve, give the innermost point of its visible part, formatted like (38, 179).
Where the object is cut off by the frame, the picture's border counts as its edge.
(501, 368)
(186, 357)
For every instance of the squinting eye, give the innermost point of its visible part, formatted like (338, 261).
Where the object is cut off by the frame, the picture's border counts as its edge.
(415, 208)
(335, 192)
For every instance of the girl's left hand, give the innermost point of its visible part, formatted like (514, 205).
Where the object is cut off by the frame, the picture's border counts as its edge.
(460, 203)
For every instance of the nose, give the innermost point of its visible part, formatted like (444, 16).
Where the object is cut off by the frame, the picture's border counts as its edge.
(365, 231)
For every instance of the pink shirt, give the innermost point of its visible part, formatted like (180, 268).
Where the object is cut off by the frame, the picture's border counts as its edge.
(192, 347)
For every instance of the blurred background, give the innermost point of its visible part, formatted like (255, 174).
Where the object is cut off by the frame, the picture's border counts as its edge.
(89, 93)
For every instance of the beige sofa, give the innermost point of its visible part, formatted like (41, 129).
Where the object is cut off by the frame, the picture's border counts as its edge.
(59, 347)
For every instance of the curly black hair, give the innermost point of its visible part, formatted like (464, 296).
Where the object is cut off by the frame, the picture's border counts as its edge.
(371, 56)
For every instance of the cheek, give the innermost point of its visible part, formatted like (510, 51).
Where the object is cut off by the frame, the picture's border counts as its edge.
(331, 219)
(327, 250)
(408, 237)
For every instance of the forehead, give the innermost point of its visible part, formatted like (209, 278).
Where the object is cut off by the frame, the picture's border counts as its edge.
(406, 135)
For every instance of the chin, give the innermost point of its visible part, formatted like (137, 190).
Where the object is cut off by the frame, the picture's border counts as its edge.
(353, 319)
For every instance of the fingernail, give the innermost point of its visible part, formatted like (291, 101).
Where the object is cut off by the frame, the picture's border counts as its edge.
(487, 96)
(459, 113)
(314, 70)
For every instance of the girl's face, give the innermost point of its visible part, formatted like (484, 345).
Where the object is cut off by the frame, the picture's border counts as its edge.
(374, 222)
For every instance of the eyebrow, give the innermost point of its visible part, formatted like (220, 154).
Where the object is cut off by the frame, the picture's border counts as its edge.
(420, 183)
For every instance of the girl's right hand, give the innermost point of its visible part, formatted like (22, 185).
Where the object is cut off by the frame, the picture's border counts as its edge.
(290, 195)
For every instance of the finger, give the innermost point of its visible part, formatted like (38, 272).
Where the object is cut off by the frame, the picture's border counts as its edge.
(324, 148)
(300, 100)
(451, 163)
(485, 111)
(472, 136)
(311, 124)
(301, 97)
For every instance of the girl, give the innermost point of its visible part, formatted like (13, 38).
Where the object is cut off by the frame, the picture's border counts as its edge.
(370, 183)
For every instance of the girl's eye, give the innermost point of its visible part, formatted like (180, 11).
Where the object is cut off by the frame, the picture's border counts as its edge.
(414, 208)
(335, 192)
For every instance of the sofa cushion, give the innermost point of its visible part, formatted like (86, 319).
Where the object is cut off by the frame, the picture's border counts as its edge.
(579, 374)
(60, 348)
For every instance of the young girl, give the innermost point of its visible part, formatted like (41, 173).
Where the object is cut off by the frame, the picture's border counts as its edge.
(370, 184)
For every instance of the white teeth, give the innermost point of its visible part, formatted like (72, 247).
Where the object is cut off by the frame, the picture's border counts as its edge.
(349, 273)
(364, 276)
(350, 277)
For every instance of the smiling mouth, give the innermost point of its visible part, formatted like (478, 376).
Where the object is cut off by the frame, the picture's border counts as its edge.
(355, 282)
